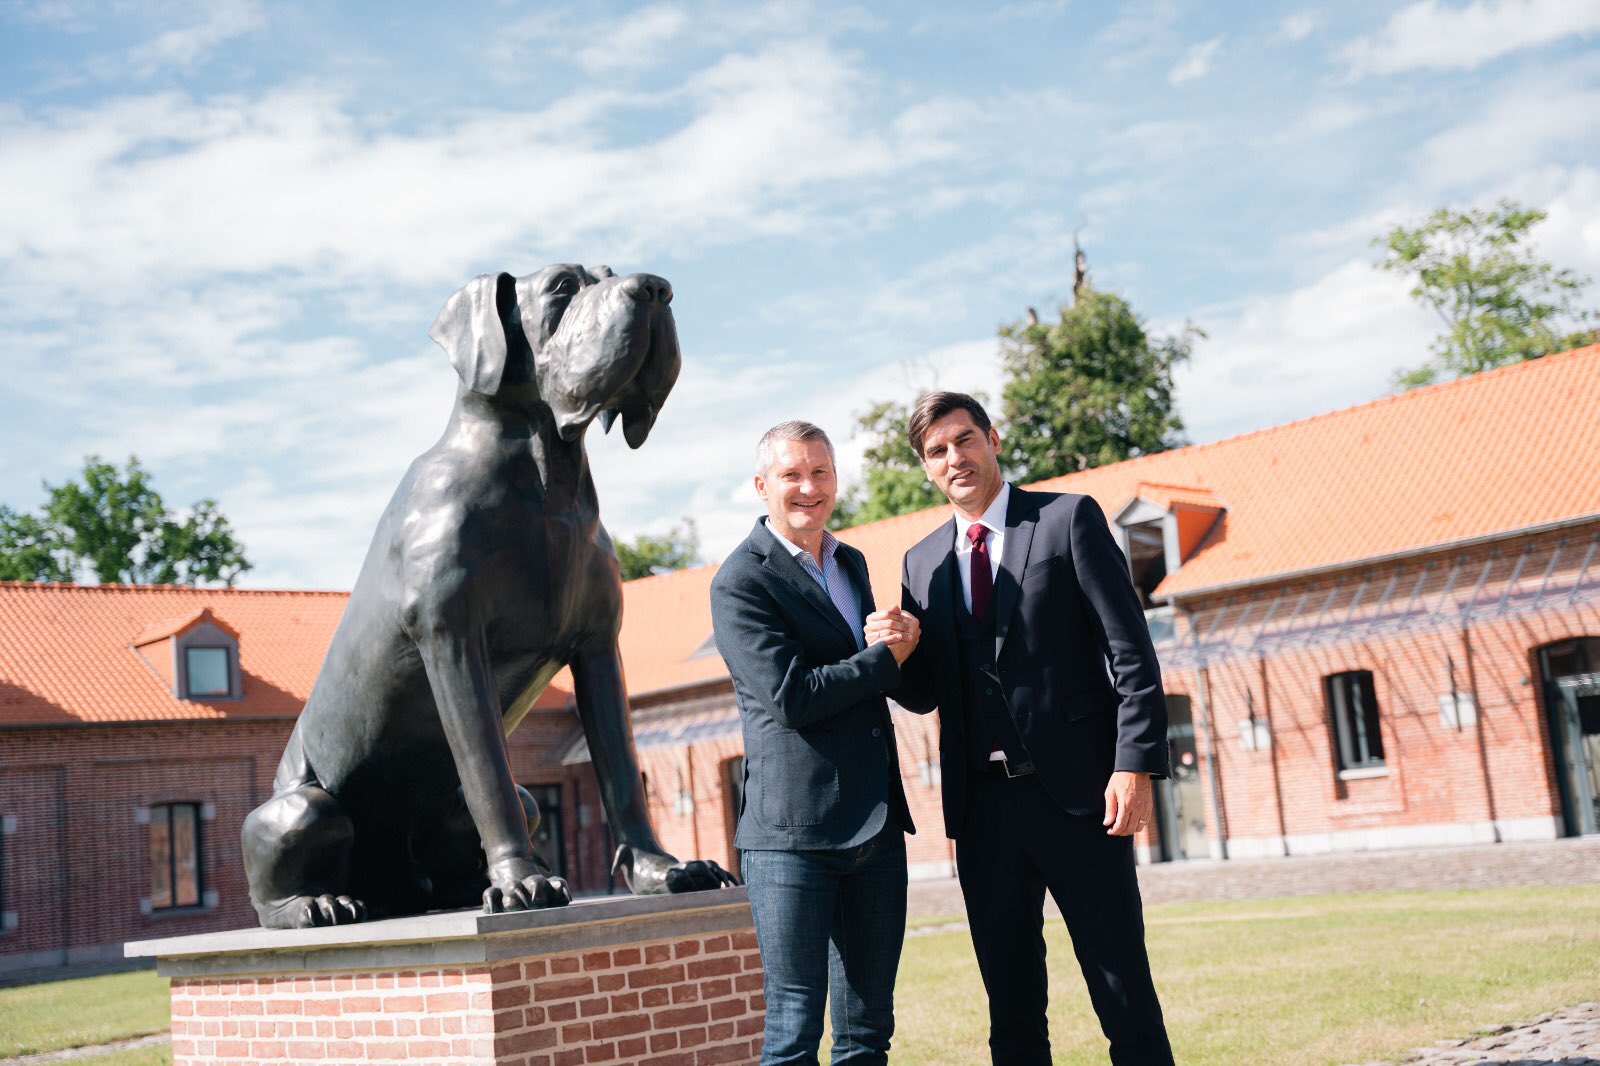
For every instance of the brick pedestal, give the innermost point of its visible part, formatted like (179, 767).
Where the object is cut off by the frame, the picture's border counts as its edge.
(673, 981)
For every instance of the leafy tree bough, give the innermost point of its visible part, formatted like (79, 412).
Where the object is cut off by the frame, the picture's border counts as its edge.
(114, 525)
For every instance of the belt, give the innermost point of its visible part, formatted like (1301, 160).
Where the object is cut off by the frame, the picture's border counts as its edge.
(1009, 768)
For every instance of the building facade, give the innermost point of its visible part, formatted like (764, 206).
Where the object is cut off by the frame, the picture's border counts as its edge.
(1379, 627)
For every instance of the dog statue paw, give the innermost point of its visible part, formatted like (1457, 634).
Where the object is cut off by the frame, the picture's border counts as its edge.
(652, 873)
(520, 885)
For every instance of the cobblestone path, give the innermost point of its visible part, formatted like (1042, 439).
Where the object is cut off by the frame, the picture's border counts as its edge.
(1569, 1037)
(1570, 861)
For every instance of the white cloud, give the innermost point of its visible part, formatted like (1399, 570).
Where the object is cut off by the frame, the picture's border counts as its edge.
(1298, 26)
(185, 46)
(1195, 63)
(635, 41)
(1333, 342)
(1538, 117)
(1430, 35)
(161, 189)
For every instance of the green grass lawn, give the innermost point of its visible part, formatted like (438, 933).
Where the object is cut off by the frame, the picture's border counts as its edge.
(84, 1010)
(1315, 979)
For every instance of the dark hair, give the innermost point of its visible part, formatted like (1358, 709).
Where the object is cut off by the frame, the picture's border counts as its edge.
(934, 406)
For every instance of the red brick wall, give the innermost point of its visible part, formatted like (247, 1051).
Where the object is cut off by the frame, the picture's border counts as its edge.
(678, 1002)
(1496, 769)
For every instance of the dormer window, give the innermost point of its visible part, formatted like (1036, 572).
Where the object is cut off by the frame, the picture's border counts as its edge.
(208, 672)
(1147, 558)
(196, 656)
(1160, 528)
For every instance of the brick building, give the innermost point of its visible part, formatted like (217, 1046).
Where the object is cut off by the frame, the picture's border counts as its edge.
(138, 727)
(1379, 627)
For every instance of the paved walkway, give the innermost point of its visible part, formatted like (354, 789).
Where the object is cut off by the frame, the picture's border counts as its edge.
(1569, 861)
(1569, 1037)
(90, 1052)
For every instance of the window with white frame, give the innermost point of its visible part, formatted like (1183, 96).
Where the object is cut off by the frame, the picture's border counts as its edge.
(1353, 709)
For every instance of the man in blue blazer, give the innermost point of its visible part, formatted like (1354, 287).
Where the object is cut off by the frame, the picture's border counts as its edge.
(1052, 721)
(821, 829)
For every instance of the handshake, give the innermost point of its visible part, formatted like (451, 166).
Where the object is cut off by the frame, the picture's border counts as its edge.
(895, 627)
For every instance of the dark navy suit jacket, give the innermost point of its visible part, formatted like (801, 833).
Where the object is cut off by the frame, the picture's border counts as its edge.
(1066, 610)
(821, 769)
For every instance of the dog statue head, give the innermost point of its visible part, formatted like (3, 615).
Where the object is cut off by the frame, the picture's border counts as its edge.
(581, 342)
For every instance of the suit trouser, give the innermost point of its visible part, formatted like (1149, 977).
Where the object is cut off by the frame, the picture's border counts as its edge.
(1017, 843)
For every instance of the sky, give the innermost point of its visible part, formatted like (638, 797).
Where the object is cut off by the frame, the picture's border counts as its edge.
(226, 227)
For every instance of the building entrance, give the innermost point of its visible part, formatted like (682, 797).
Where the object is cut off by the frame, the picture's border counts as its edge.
(1571, 675)
(1180, 799)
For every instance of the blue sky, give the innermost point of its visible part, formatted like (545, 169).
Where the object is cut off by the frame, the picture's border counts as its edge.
(226, 226)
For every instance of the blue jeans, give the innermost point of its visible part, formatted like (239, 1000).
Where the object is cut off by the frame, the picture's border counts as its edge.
(829, 922)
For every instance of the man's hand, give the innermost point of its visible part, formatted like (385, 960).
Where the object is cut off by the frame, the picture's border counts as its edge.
(1127, 803)
(895, 627)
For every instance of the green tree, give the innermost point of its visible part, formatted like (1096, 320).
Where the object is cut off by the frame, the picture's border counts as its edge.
(1089, 389)
(676, 549)
(1500, 303)
(30, 550)
(114, 524)
(892, 479)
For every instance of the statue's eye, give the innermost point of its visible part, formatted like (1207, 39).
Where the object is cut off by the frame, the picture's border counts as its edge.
(565, 286)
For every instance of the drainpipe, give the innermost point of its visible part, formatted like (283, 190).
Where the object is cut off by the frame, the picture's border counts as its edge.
(1202, 706)
(1477, 729)
(1272, 752)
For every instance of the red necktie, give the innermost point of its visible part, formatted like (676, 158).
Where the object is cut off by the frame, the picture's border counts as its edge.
(982, 574)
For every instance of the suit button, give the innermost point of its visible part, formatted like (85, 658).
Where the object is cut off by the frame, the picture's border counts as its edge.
(877, 732)
(988, 692)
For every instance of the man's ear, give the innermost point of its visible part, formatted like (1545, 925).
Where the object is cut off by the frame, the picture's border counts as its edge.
(471, 330)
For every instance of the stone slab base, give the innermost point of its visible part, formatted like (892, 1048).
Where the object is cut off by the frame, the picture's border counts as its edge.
(610, 991)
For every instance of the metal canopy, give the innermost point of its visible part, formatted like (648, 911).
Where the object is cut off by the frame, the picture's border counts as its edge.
(1435, 595)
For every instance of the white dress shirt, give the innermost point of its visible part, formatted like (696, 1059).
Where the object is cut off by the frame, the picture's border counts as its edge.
(994, 520)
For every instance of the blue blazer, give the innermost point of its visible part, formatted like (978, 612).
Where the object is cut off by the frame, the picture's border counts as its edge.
(821, 769)
(1076, 664)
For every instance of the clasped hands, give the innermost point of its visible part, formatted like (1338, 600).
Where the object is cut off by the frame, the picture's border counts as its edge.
(895, 627)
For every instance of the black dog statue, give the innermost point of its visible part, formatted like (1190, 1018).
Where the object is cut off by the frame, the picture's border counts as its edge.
(488, 573)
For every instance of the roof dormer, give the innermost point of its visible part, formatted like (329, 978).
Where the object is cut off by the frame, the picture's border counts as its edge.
(1160, 528)
(196, 656)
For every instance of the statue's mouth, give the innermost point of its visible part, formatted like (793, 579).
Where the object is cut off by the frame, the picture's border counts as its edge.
(639, 401)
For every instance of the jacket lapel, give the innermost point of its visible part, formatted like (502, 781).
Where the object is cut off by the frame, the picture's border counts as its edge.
(784, 566)
(1020, 520)
(940, 626)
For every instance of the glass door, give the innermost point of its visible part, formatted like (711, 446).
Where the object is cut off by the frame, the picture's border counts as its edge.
(1180, 799)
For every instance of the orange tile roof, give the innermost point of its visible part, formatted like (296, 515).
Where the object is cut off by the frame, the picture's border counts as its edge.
(1494, 453)
(1167, 495)
(171, 627)
(67, 651)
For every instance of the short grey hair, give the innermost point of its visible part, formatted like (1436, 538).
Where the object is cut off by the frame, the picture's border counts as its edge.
(791, 430)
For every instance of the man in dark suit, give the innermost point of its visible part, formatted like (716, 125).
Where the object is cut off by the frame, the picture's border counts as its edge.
(1052, 722)
(822, 823)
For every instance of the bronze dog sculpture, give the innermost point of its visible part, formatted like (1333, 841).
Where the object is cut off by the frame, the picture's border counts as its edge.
(488, 573)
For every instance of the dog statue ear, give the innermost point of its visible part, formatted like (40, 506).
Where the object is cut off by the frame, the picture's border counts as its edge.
(471, 330)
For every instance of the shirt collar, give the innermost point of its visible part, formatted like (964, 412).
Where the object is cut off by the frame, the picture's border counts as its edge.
(993, 519)
(829, 542)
